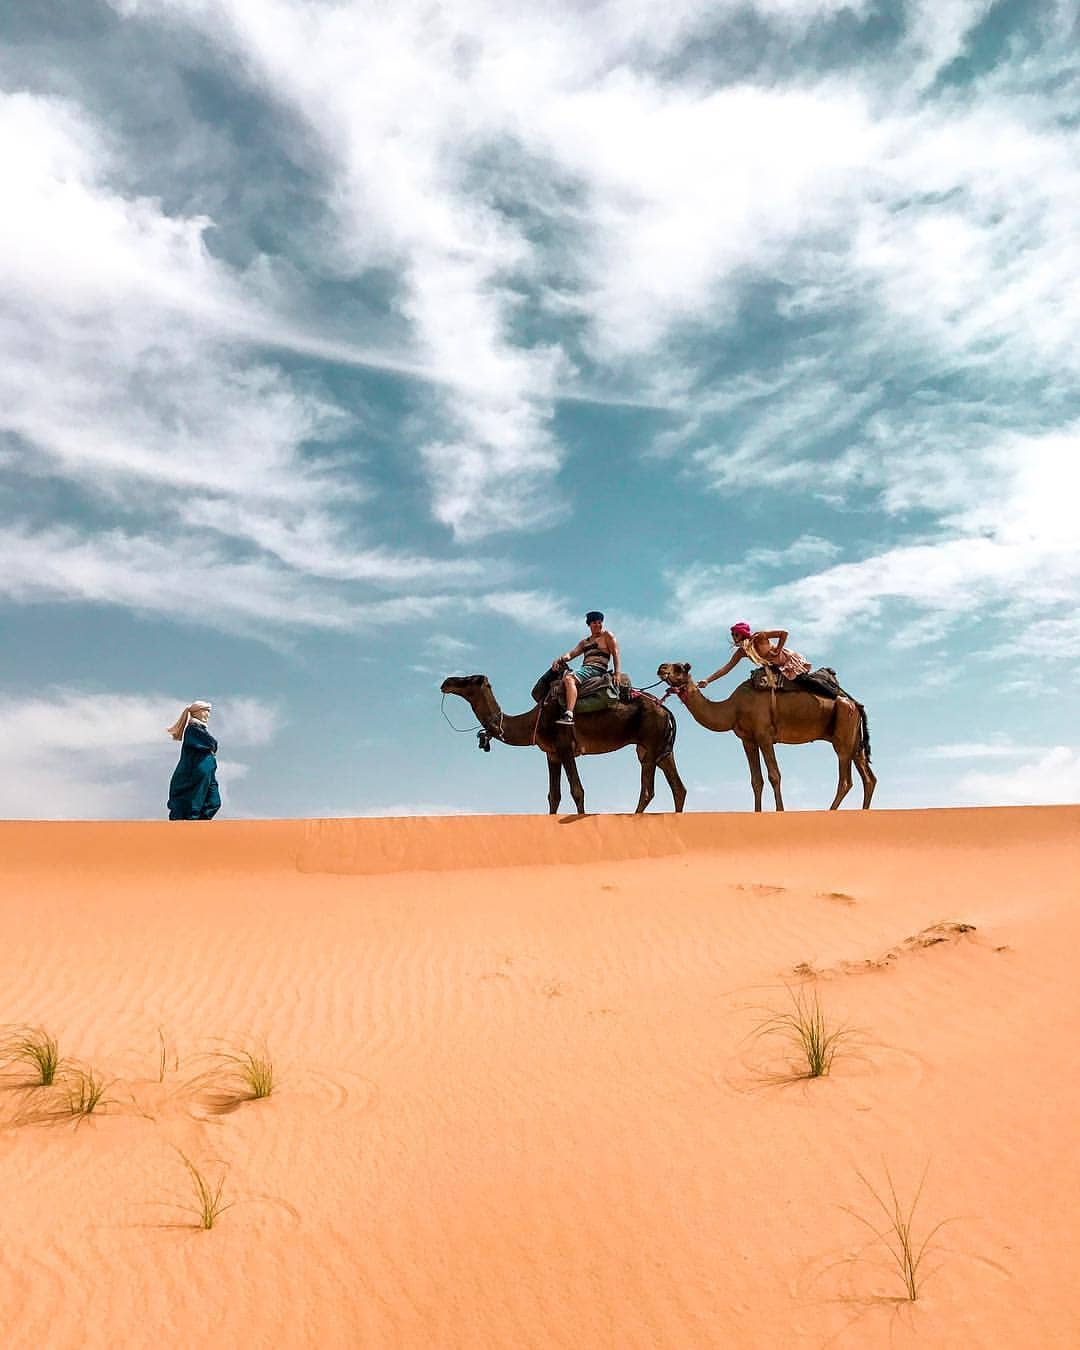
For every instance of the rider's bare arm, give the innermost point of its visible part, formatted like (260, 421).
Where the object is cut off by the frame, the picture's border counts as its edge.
(613, 648)
(736, 657)
(780, 638)
(569, 656)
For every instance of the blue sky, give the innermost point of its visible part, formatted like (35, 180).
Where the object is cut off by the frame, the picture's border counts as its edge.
(349, 345)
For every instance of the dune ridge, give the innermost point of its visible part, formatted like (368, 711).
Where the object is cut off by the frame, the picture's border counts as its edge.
(518, 1098)
(370, 846)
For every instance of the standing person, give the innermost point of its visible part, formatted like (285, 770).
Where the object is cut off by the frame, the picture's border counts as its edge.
(598, 649)
(193, 791)
(758, 648)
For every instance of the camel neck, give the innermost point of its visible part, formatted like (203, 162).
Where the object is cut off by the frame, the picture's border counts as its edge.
(717, 715)
(511, 729)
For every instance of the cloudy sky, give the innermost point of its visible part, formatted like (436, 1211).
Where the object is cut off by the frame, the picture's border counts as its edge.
(350, 345)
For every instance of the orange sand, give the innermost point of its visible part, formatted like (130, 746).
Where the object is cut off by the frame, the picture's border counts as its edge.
(517, 1103)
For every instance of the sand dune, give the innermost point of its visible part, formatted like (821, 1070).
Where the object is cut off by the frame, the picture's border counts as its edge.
(519, 1101)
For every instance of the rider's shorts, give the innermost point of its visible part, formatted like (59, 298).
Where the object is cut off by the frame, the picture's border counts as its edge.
(588, 673)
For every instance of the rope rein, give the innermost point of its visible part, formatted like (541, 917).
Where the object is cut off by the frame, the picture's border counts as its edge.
(461, 730)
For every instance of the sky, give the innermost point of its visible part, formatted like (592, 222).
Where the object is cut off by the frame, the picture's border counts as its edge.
(346, 346)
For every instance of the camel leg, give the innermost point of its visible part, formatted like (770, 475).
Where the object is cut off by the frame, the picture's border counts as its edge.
(757, 778)
(773, 770)
(569, 763)
(843, 786)
(678, 787)
(554, 785)
(869, 778)
(648, 783)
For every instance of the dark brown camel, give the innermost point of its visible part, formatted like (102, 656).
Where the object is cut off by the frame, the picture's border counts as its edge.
(642, 723)
(761, 720)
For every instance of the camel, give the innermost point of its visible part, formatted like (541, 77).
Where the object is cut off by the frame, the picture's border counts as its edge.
(643, 723)
(762, 719)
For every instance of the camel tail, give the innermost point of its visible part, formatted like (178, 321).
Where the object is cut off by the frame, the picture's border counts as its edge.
(864, 724)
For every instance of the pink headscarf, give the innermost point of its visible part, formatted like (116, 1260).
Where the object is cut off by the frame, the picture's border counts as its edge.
(739, 631)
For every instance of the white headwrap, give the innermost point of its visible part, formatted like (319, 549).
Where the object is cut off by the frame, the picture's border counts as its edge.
(198, 711)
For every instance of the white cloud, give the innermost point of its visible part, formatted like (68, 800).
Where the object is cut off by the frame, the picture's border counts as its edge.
(1052, 778)
(187, 580)
(1008, 547)
(999, 749)
(939, 30)
(316, 544)
(400, 141)
(445, 647)
(76, 755)
(114, 375)
(442, 130)
(535, 610)
(495, 159)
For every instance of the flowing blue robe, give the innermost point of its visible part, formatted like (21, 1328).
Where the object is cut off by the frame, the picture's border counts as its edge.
(193, 791)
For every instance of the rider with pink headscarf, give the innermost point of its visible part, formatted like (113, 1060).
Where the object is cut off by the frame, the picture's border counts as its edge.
(765, 648)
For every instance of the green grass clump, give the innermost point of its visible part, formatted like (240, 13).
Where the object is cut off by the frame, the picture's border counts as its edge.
(256, 1072)
(34, 1047)
(209, 1205)
(897, 1235)
(85, 1091)
(807, 1027)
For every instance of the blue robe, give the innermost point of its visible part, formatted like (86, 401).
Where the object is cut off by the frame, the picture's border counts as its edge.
(193, 791)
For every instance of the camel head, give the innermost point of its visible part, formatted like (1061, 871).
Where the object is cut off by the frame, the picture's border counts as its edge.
(676, 673)
(464, 684)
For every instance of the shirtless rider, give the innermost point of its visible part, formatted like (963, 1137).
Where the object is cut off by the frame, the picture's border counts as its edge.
(599, 650)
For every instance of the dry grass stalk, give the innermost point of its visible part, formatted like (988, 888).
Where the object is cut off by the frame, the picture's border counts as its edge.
(209, 1206)
(897, 1235)
(807, 1027)
(85, 1091)
(34, 1047)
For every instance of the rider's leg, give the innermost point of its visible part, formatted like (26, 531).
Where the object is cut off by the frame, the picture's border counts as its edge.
(570, 689)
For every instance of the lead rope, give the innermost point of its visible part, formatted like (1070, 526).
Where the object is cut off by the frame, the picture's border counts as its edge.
(461, 730)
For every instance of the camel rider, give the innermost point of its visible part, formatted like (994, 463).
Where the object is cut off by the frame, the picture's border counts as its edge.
(765, 649)
(598, 649)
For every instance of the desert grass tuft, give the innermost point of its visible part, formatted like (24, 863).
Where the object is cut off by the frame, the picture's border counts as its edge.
(85, 1091)
(34, 1047)
(807, 1027)
(209, 1205)
(256, 1071)
(897, 1235)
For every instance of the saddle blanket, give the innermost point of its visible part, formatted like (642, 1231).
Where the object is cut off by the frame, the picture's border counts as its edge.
(822, 681)
(594, 695)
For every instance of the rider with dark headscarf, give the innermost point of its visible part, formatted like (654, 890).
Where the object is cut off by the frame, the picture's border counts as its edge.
(599, 649)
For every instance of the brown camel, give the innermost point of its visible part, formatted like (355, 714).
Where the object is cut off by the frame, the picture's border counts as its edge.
(642, 723)
(762, 720)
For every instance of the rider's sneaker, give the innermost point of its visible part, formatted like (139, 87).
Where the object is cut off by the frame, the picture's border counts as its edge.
(566, 720)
